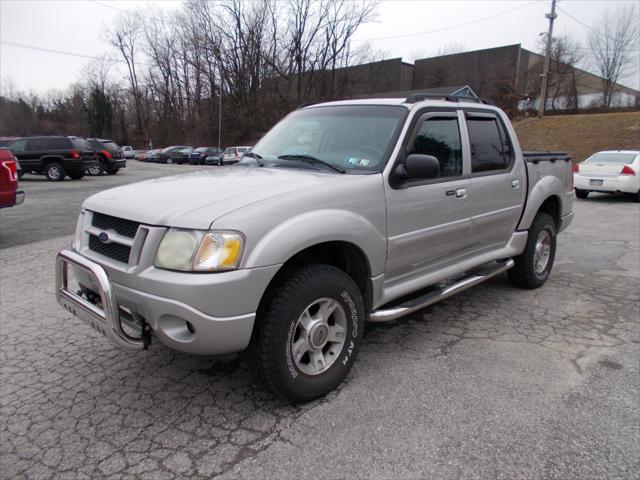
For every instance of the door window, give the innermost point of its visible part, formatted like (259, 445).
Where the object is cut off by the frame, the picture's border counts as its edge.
(35, 144)
(440, 137)
(488, 149)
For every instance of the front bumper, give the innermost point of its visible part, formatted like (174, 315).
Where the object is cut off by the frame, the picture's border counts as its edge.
(619, 184)
(176, 324)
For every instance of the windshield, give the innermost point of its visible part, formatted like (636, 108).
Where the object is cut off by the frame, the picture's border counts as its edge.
(616, 158)
(353, 137)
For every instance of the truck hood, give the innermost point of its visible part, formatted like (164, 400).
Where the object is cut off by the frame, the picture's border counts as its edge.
(196, 199)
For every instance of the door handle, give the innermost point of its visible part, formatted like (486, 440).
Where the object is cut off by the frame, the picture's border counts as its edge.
(450, 193)
(515, 184)
(461, 193)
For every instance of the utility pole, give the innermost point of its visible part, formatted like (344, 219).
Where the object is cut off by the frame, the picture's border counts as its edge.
(545, 72)
(220, 114)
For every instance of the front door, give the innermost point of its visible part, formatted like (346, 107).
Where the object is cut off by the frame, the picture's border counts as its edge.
(428, 221)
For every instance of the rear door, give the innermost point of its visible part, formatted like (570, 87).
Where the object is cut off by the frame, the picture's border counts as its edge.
(498, 181)
(34, 150)
(428, 221)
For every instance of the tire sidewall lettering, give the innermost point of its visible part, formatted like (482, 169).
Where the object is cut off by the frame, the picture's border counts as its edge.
(348, 349)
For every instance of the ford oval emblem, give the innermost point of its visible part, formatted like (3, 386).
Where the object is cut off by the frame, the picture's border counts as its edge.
(104, 237)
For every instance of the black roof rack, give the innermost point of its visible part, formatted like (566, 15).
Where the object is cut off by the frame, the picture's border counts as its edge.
(419, 97)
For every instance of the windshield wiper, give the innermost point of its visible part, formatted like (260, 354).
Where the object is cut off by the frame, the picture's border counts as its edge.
(256, 157)
(311, 159)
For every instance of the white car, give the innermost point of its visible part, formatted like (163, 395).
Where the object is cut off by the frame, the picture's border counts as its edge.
(611, 171)
(233, 154)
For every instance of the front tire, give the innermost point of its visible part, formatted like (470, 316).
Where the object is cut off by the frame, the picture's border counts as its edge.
(112, 170)
(76, 175)
(308, 332)
(54, 172)
(533, 266)
(582, 193)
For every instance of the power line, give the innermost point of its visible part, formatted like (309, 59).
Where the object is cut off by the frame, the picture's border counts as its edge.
(583, 24)
(107, 6)
(48, 50)
(449, 27)
(62, 52)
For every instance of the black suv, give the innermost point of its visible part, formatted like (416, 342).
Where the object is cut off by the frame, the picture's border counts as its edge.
(110, 156)
(55, 156)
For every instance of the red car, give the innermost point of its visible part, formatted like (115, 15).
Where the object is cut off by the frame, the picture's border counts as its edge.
(9, 168)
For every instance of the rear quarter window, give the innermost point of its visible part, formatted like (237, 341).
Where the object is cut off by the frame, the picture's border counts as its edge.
(111, 146)
(57, 144)
(81, 144)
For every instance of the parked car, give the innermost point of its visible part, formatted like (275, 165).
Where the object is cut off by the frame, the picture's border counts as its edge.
(153, 154)
(128, 151)
(343, 212)
(170, 154)
(54, 156)
(182, 156)
(9, 167)
(233, 154)
(144, 156)
(199, 155)
(611, 171)
(110, 155)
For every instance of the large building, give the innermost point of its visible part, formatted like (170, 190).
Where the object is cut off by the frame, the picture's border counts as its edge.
(509, 75)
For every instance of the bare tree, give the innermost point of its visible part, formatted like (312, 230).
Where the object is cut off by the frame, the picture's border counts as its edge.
(614, 42)
(564, 76)
(125, 35)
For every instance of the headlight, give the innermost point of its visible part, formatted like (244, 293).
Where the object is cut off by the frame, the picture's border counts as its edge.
(189, 250)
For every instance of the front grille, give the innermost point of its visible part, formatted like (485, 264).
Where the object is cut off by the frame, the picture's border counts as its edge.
(127, 228)
(112, 250)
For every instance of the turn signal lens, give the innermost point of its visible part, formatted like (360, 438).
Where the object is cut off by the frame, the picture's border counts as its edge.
(219, 251)
(197, 250)
(627, 170)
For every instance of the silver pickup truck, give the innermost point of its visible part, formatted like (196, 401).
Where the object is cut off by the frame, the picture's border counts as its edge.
(344, 212)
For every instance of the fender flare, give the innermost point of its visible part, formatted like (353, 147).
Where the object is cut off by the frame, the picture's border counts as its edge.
(319, 226)
(45, 159)
(545, 188)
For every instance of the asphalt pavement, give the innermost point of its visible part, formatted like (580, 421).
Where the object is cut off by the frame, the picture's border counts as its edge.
(493, 383)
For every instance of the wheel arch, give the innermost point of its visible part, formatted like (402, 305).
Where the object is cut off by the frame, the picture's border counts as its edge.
(545, 197)
(47, 159)
(344, 255)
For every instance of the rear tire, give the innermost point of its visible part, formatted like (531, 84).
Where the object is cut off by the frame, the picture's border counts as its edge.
(636, 197)
(96, 170)
(582, 193)
(54, 172)
(533, 266)
(76, 176)
(308, 332)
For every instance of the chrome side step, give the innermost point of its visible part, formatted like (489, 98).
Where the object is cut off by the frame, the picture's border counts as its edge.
(439, 293)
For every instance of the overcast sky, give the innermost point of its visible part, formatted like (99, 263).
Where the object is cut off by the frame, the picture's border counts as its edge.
(408, 29)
